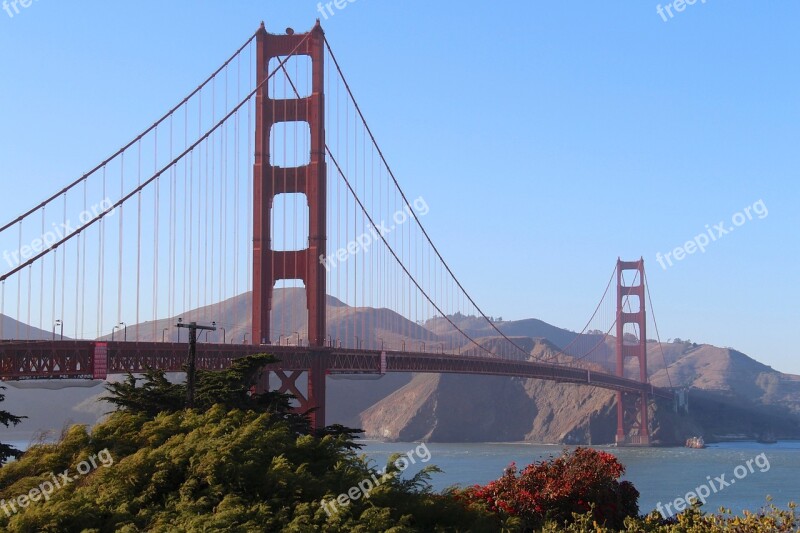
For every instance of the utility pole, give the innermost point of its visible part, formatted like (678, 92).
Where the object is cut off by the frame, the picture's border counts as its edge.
(190, 372)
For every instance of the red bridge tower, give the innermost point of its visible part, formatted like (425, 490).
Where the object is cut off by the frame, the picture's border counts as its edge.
(636, 419)
(269, 181)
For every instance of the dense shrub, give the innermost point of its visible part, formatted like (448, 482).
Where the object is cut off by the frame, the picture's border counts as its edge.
(576, 482)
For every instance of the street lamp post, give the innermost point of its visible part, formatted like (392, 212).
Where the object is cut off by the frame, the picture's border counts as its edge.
(298, 338)
(244, 338)
(57, 323)
(163, 331)
(121, 325)
(125, 330)
(190, 372)
(224, 335)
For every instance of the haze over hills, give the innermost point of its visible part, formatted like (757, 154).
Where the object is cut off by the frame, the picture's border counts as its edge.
(730, 392)
(11, 329)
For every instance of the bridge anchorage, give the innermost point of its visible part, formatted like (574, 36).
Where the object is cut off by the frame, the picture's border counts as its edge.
(388, 303)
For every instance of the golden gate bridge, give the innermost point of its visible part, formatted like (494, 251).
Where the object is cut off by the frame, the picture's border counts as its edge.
(262, 202)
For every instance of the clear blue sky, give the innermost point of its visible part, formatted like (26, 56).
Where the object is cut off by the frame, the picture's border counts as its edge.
(548, 138)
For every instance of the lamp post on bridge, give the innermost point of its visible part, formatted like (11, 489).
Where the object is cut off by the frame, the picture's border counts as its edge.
(190, 372)
(213, 328)
(244, 338)
(57, 323)
(163, 331)
(224, 335)
(121, 325)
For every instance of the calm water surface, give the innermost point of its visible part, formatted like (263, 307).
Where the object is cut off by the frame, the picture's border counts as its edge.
(660, 474)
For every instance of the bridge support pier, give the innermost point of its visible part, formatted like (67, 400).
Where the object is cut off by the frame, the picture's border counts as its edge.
(633, 418)
(314, 400)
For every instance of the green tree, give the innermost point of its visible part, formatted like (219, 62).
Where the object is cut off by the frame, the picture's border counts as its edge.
(232, 388)
(7, 419)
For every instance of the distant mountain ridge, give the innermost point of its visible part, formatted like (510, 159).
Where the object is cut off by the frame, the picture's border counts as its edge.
(731, 392)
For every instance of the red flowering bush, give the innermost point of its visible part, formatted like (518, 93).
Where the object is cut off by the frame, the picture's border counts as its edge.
(576, 482)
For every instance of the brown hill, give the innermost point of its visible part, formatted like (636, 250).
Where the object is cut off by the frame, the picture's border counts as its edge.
(730, 392)
(456, 408)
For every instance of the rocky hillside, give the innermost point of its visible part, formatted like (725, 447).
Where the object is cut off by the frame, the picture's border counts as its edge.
(456, 408)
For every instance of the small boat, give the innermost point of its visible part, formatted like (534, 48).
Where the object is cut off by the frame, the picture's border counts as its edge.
(695, 442)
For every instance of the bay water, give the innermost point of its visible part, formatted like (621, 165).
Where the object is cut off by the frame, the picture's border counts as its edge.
(660, 474)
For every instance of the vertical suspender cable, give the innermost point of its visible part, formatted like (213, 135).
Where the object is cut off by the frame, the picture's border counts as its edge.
(64, 267)
(41, 277)
(101, 273)
(156, 202)
(210, 203)
(19, 286)
(138, 237)
(120, 239)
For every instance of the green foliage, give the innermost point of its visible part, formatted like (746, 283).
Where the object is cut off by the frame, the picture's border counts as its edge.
(7, 419)
(768, 520)
(231, 388)
(156, 394)
(218, 470)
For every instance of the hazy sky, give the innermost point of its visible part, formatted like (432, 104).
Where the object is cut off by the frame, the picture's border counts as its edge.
(548, 138)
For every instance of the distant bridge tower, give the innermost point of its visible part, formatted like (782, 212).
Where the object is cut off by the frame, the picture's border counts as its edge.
(269, 181)
(632, 424)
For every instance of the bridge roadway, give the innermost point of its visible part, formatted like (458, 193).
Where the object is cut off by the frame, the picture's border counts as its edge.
(27, 360)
